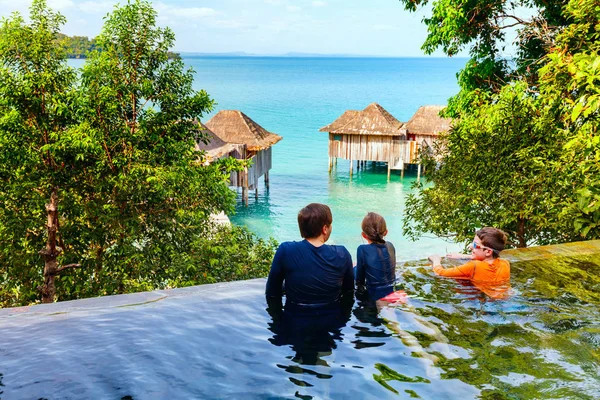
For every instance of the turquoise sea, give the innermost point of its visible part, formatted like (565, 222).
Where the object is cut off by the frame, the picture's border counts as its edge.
(294, 97)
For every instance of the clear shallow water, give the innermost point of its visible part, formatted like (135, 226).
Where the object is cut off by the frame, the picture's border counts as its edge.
(294, 97)
(217, 341)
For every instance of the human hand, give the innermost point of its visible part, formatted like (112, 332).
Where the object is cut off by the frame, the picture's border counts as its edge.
(435, 259)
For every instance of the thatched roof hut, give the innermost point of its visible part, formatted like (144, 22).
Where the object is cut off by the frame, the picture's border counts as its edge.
(234, 126)
(427, 121)
(339, 124)
(216, 147)
(373, 120)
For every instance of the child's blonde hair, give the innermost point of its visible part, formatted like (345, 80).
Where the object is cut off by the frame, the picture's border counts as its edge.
(374, 227)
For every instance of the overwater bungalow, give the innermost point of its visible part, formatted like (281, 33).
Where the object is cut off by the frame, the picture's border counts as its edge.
(426, 125)
(372, 134)
(251, 141)
(215, 148)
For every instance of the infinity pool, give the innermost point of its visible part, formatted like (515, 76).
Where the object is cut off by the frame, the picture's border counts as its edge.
(216, 341)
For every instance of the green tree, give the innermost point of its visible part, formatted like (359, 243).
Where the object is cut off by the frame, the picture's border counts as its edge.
(129, 199)
(512, 158)
(571, 81)
(36, 104)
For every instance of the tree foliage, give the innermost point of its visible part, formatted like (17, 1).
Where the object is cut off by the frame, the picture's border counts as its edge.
(115, 150)
(522, 154)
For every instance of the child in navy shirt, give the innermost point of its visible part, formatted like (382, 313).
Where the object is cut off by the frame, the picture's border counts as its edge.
(376, 261)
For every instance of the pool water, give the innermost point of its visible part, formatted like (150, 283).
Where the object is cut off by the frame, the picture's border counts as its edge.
(448, 341)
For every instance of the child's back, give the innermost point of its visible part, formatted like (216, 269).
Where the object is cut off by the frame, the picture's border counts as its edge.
(375, 261)
(376, 268)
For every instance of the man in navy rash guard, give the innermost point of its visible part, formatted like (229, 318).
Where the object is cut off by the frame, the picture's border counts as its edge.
(316, 278)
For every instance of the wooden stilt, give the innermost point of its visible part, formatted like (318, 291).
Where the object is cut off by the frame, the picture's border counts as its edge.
(418, 171)
(351, 167)
(336, 160)
(256, 193)
(330, 163)
(267, 180)
(402, 170)
(245, 187)
(389, 169)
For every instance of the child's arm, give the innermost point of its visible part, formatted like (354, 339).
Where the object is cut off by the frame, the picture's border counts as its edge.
(458, 256)
(464, 271)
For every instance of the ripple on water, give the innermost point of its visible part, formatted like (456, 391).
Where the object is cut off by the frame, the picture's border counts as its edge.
(447, 341)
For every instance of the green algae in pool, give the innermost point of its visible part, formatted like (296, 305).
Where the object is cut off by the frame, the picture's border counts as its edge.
(448, 341)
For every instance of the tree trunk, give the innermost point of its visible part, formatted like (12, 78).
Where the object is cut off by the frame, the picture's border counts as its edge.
(51, 252)
(521, 233)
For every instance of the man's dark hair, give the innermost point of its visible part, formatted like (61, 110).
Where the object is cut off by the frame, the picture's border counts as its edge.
(312, 218)
(493, 238)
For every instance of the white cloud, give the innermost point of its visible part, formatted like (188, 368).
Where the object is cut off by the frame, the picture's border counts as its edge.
(319, 4)
(193, 12)
(293, 8)
(93, 7)
(60, 4)
(233, 24)
(166, 11)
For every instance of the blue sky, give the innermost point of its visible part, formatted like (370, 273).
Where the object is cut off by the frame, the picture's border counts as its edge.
(362, 27)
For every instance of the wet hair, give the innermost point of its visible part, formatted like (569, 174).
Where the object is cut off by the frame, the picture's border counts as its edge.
(374, 227)
(312, 219)
(493, 238)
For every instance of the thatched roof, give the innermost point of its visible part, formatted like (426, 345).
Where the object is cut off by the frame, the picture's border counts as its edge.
(427, 121)
(341, 122)
(216, 147)
(373, 120)
(234, 126)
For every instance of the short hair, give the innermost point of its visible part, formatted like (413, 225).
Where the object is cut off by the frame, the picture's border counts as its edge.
(374, 227)
(312, 219)
(493, 238)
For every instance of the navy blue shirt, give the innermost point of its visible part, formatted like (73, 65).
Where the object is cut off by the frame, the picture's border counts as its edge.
(312, 277)
(377, 267)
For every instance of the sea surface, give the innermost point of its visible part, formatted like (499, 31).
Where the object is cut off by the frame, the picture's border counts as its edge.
(294, 97)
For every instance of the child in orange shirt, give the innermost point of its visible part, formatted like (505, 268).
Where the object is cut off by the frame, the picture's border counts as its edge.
(486, 269)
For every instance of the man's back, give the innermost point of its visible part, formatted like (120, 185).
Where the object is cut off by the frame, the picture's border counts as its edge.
(313, 276)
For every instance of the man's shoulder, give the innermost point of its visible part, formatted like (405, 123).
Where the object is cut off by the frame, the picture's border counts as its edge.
(340, 249)
(291, 244)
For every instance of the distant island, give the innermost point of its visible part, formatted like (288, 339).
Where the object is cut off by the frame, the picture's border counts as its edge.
(82, 46)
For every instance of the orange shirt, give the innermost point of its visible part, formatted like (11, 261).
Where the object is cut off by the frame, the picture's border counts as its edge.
(492, 279)
(478, 271)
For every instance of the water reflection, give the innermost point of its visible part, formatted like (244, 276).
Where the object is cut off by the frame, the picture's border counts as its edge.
(448, 340)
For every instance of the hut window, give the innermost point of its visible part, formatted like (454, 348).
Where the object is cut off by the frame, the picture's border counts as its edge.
(337, 137)
(398, 139)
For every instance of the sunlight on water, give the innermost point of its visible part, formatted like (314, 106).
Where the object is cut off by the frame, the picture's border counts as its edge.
(448, 341)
